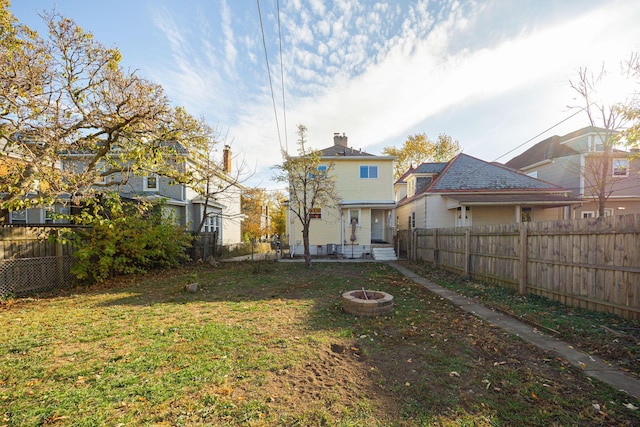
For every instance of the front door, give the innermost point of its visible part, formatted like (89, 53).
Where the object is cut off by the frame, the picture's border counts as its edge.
(377, 226)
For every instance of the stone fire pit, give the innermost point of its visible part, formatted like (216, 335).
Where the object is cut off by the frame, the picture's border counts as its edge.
(366, 303)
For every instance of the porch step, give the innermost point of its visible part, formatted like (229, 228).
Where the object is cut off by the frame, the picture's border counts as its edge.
(384, 253)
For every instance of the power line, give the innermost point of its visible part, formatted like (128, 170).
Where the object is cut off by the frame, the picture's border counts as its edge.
(284, 106)
(266, 57)
(538, 135)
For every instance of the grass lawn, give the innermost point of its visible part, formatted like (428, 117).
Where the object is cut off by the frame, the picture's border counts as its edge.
(267, 344)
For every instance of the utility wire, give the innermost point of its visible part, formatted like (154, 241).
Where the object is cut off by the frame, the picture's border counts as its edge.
(266, 57)
(541, 133)
(284, 106)
(487, 164)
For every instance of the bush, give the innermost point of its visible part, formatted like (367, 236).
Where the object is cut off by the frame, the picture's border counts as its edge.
(125, 238)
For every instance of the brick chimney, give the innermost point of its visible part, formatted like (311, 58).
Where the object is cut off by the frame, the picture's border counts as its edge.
(226, 159)
(340, 140)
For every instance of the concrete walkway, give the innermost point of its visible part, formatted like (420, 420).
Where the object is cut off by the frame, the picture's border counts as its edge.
(590, 365)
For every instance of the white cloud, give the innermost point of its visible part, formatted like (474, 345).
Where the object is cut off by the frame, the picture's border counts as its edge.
(380, 78)
(229, 40)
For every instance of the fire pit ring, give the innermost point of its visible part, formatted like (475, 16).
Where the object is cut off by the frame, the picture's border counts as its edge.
(366, 303)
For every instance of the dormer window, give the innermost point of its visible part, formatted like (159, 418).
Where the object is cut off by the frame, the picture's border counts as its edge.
(411, 187)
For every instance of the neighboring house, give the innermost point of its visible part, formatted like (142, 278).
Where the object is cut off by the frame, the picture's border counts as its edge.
(11, 156)
(468, 191)
(185, 205)
(570, 162)
(363, 220)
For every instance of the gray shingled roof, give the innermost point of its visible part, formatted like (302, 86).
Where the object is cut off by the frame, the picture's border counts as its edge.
(550, 148)
(431, 167)
(342, 151)
(468, 173)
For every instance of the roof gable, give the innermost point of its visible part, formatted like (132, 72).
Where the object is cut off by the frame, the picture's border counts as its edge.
(466, 173)
(552, 148)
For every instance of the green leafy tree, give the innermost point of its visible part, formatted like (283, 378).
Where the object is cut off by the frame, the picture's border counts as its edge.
(309, 188)
(124, 238)
(419, 148)
(66, 100)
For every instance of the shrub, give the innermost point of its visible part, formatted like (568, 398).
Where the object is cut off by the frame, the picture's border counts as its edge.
(125, 238)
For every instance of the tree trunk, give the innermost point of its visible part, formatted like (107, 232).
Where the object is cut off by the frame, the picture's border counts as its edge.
(305, 243)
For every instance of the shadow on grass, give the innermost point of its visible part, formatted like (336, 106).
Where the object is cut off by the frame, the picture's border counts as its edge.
(427, 363)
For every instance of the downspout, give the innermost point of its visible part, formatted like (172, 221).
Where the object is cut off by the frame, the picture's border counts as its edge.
(292, 253)
(425, 211)
(342, 231)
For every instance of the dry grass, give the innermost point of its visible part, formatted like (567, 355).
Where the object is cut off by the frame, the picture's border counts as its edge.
(263, 344)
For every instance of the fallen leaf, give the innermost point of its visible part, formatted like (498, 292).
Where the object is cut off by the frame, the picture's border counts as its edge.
(454, 374)
(630, 406)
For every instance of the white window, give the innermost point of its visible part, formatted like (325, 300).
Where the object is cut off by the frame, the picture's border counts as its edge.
(18, 217)
(354, 214)
(608, 211)
(150, 183)
(369, 172)
(49, 213)
(620, 167)
(526, 214)
(212, 223)
(588, 214)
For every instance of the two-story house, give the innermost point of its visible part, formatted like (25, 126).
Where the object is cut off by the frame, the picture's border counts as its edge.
(184, 203)
(578, 161)
(468, 191)
(363, 218)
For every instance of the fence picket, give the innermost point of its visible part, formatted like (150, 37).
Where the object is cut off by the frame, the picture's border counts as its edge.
(590, 263)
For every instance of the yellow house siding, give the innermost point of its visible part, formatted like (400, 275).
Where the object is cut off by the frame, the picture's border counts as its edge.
(334, 226)
(351, 187)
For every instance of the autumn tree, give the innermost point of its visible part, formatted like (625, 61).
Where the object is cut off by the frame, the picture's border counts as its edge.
(278, 214)
(75, 123)
(255, 207)
(419, 148)
(609, 107)
(309, 187)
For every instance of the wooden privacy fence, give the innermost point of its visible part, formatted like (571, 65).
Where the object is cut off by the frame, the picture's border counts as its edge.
(32, 262)
(589, 263)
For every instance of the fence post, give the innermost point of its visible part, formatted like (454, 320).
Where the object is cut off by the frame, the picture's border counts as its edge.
(414, 244)
(59, 254)
(467, 253)
(522, 288)
(435, 248)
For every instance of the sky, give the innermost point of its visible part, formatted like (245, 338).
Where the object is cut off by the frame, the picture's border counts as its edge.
(492, 74)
